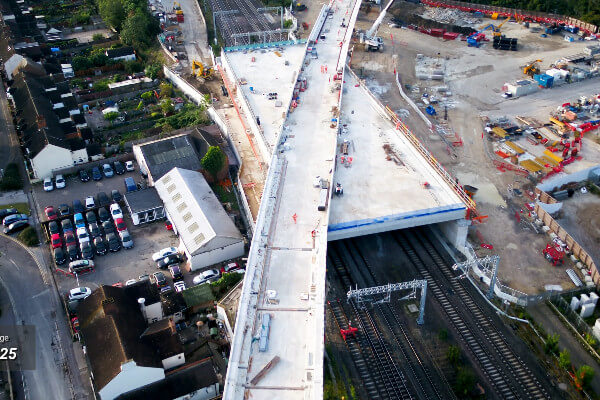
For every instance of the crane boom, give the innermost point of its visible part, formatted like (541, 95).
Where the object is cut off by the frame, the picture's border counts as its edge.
(373, 31)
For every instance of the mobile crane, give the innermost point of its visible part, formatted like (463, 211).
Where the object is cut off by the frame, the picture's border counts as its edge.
(369, 38)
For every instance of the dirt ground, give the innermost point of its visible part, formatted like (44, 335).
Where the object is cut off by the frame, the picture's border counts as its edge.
(475, 77)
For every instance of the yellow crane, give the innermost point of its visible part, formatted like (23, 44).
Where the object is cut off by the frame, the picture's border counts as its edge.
(203, 72)
(532, 68)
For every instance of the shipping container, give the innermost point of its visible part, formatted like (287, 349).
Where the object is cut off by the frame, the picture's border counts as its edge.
(323, 199)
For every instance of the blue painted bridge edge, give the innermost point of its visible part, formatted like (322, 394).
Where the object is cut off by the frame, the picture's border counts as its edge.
(394, 217)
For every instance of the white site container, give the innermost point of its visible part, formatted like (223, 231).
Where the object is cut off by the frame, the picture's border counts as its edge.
(587, 310)
(594, 298)
(584, 299)
(575, 303)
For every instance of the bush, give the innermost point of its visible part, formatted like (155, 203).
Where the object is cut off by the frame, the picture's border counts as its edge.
(29, 237)
(584, 377)
(213, 161)
(453, 355)
(97, 36)
(223, 285)
(564, 359)
(287, 23)
(153, 71)
(464, 382)
(443, 334)
(551, 346)
(11, 179)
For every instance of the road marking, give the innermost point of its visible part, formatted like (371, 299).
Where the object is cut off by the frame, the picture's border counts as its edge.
(15, 264)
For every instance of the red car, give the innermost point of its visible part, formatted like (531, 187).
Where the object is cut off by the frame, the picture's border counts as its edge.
(231, 267)
(56, 241)
(120, 224)
(168, 225)
(70, 239)
(50, 213)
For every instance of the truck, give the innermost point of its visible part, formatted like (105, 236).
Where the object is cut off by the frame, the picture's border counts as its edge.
(130, 185)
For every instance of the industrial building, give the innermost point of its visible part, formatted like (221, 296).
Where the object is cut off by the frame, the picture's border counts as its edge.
(207, 234)
(144, 205)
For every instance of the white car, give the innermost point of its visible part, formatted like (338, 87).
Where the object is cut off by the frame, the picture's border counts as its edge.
(60, 182)
(79, 293)
(130, 282)
(48, 185)
(82, 235)
(206, 276)
(129, 166)
(164, 253)
(89, 202)
(115, 211)
(179, 286)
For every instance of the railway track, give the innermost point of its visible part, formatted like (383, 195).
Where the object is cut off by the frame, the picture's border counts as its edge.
(506, 372)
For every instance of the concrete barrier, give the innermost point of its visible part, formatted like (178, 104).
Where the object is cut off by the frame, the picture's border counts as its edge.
(185, 87)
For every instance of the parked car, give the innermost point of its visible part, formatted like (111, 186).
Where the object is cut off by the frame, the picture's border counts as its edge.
(165, 289)
(5, 212)
(14, 218)
(73, 252)
(108, 227)
(160, 279)
(107, 171)
(67, 226)
(77, 206)
(59, 256)
(103, 199)
(103, 214)
(232, 267)
(48, 185)
(83, 175)
(94, 230)
(96, 174)
(168, 261)
(120, 224)
(113, 242)
(55, 240)
(50, 213)
(164, 253)
(119, 168)
(79, 293)
(83, 235)
(130, 282)
(129, 166)
(116, 196)
(126, 239)
(53, 227)
(179, 286)
(168, 225)
(70, 239)
(79, 221)
(144, 277)
(100, 246)
(115, 211)
(207, 276)
(64, 210)
(87, 251)
(89, 202)
(15, 227)
(175, 272)
(81, 266)
(90, 216)
(60, 182)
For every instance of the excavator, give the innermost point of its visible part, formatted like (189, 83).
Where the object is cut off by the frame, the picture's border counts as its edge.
(203, 72)
(369, 38)
(496, 30)
(532, 68)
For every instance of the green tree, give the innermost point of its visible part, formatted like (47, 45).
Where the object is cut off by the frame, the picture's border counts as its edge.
(112, 12)
(11, 179)
(167, 107)
(465, 380)
(147, 96)
(80, 63)
(564, 359)
(97, 36)
(589, 339)
(166, 90)
(551, 346)
(139, 29)
(453, 355)
(111, 116)
(287, 23)
(213, 161)
(153, 70)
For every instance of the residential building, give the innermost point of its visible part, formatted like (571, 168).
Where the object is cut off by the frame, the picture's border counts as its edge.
(126, 53)
(144, 205)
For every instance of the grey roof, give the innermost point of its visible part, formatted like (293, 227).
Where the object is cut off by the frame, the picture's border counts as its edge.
(143, 200)
(202, 223)
(120, 52)
(163, 155)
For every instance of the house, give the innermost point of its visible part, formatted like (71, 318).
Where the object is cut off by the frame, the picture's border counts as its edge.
(158, 157)
(44, 119)
(126, 53)
(144, 205)
(207, 235)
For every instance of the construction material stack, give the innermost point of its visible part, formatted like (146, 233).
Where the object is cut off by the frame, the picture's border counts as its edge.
(504, 43)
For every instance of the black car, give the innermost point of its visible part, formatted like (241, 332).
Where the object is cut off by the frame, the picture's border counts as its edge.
(64, 210)
(116, 196)
(67, 225)
(100, 246)
(119, 168)
(5, 212)
(161, 280)
(73, 252)
(90, 217)
(77, 206)
(103, 214)
(53, 228)
(175, 272)
(94, 230)
(168, 261)
(96, 174)
(108, 227)
(113, 243)
(87, 251)
(16, 227)
(103, 199)
(83, 175)
(59, 256)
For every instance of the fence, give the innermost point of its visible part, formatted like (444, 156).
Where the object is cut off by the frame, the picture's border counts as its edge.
(269, 45)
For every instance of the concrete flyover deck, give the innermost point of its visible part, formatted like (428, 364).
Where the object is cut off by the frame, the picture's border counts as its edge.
(387, 182)
(288, 251)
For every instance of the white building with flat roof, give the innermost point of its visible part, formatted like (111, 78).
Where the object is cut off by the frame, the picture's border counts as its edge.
(207, 235)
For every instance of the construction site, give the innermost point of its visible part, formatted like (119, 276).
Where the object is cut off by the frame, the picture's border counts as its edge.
(416, 178)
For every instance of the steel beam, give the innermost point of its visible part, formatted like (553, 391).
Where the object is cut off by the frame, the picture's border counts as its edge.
(487, 264)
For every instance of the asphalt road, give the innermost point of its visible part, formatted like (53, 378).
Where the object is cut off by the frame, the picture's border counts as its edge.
(36, 303)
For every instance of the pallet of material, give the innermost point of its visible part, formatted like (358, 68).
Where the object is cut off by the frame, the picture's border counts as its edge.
(499, 132)
(553, 156)
(531, 166)
(545, 160)
(516, 148)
